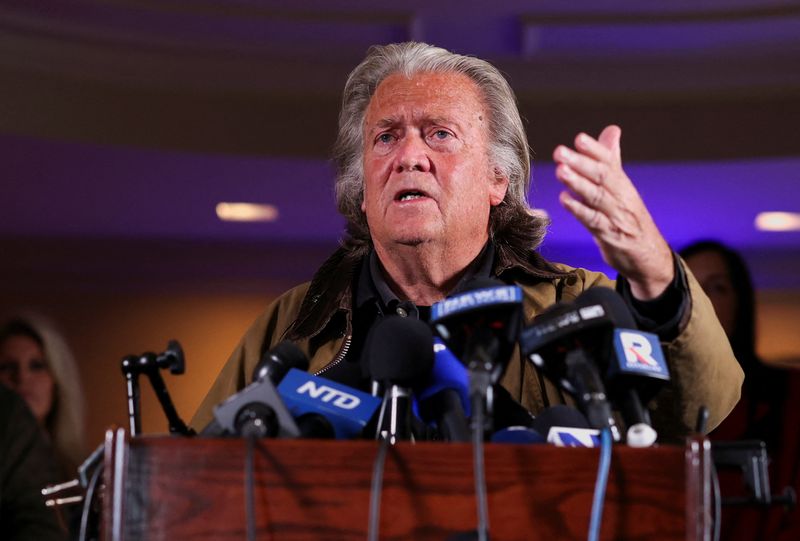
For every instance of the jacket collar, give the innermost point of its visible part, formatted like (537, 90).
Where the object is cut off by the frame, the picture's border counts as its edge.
(331, 289)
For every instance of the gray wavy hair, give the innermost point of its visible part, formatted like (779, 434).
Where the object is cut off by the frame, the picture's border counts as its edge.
(511, 222)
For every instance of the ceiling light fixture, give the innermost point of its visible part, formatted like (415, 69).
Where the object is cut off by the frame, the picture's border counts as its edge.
(778, 221)
(246, 212)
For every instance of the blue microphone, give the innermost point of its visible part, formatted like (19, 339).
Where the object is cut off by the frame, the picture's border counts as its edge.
(444, 397)
(346, 409)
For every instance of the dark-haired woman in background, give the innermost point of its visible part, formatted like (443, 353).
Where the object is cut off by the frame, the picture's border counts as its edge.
(769, 409)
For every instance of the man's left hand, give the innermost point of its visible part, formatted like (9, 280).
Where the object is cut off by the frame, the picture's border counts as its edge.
(602, 197)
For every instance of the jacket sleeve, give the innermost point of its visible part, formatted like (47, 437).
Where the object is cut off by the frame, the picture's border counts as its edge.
(703, 370)
(265, 332)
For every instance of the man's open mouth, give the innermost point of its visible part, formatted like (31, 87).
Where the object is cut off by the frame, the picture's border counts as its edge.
(409, 195)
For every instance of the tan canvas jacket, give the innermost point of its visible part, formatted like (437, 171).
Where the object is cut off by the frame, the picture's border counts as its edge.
(316, 315)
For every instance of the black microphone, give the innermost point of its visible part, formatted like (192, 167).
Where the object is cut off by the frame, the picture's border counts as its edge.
(400, 356)
(480, 325)
(563, 342)
(633, 364)
(257, 410)
(276, 362)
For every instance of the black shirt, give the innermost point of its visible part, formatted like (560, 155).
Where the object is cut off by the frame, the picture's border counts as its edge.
(374, 299)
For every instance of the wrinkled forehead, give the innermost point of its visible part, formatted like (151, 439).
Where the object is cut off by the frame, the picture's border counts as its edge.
(425, 95)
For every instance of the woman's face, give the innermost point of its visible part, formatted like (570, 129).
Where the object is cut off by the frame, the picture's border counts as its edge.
(711, 271)
(24, 370)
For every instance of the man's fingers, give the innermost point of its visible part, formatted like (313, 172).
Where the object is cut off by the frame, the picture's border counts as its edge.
(610, 138)
(598, 172)
(594, 195)
(593, 148)
(594, 220)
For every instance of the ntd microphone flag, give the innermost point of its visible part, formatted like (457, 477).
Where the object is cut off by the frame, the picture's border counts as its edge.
(347, 409)
(639, 353)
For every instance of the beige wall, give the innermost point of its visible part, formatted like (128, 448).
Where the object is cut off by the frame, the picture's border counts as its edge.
(102, 328)
(778, 326)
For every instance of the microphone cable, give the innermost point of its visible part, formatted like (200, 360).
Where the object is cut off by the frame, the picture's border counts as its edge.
(482, 399)
(249, 487)
(596, 517)
(88, 502)
(478, 467)
(376, 488)
(717, 502)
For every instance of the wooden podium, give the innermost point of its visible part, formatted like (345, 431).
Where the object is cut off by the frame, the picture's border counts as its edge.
(167, 488)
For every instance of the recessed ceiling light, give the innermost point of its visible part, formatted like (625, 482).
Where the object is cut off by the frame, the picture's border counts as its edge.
(246, 212)
(778, 221)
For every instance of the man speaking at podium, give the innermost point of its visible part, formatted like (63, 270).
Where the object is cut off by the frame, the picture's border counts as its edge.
(433, 171)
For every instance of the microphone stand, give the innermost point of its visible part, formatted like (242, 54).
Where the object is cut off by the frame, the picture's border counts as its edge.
(150, 364)
(481, 365)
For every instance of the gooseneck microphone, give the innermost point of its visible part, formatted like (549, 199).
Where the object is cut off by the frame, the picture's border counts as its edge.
(563, 342)
(400, 356)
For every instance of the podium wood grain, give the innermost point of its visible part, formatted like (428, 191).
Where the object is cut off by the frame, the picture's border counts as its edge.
(183, 489)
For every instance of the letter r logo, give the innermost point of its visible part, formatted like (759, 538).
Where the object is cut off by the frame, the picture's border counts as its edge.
(637, 348)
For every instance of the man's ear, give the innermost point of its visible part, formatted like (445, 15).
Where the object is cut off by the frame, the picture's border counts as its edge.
(498, 188)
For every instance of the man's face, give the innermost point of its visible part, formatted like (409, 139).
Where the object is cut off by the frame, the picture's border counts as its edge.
(427, 176)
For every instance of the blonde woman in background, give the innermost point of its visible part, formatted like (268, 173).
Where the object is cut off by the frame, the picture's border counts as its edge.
(36, 363)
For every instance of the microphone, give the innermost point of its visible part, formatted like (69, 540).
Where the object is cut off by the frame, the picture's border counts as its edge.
(400, 356)
(276, 362)
(325, 408)
(631, 360)
(257, 410)
(560, 425)
(636, 368)
(444, 398)
(562, 342)
(480, 326)
(566, 427)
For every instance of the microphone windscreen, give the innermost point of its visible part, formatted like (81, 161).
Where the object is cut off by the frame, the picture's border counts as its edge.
(276, 362)
(400, 350)
(615, 307)
(559, 415)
